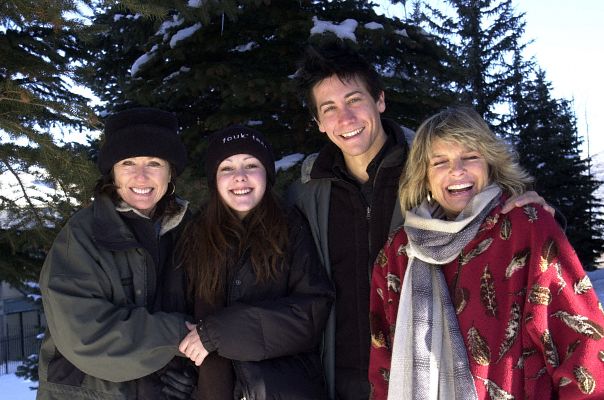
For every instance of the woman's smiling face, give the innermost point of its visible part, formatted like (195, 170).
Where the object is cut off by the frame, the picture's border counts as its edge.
(142, 181)
(455, 175)
(241, 182)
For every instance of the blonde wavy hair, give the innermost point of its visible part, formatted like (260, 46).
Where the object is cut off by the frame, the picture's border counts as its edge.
(464, 126)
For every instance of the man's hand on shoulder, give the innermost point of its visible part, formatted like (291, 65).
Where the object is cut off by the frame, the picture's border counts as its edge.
(524, 199)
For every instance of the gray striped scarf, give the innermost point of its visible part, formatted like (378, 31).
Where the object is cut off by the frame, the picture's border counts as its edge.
(429, 359)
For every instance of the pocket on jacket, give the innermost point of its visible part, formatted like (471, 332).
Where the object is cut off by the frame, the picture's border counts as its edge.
(128, 286)
(295, 377)
(312, 365)
(60, 370)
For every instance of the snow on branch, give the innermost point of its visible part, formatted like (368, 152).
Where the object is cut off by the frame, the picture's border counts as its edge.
(184, 34)
(344, 30)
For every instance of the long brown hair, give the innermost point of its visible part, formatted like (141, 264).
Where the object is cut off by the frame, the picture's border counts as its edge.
(216, 239)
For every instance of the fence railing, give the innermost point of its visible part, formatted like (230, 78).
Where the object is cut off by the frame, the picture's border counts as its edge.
(15, 348)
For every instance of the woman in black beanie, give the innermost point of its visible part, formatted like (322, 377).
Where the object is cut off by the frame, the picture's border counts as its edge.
(261, 296)
(110, 291)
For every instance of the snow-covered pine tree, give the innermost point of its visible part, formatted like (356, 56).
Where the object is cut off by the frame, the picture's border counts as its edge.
(39, 56)
(216, 65)
(484, 35)
(43, 177)
(549, 149)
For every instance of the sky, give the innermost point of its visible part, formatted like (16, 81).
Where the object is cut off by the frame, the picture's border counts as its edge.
(568, 44)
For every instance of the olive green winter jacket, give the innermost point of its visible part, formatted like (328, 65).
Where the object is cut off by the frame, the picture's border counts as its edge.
(95, 283)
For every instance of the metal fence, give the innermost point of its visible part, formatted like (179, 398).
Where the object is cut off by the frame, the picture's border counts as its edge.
(20, 340)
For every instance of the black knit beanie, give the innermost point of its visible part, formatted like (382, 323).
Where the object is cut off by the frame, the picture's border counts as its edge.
(239, 139)
(142, 132)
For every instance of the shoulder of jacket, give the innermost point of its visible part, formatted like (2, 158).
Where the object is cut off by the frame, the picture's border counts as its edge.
(396, 238)
(307, 165)
(401, 132)
(169, 223)
(409, 134)
(81, 219)
(533, 215)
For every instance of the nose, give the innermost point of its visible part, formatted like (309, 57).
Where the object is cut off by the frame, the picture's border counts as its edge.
(345, 114)
(140, 172)
(240, 175)
(457, 166)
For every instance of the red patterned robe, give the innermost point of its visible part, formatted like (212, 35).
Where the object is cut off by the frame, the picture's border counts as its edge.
(530, 320)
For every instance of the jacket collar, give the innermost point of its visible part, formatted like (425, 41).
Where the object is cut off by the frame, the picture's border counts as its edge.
(109, 230)
(321, 165)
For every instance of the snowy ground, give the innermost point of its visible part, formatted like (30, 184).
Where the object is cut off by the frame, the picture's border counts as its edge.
(14, 388)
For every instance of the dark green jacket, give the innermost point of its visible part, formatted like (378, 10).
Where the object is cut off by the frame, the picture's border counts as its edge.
(95, 285)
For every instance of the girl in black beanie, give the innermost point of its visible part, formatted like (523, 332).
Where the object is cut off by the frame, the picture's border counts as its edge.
(260, 294)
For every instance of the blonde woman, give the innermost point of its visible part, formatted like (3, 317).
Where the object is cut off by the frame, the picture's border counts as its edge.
(470, 303)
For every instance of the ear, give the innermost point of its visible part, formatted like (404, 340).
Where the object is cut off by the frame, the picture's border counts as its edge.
(381, 102)
(427, 183)
(319, 125)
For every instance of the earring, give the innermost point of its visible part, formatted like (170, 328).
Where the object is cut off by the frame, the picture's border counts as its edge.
(429, 197)
(173, 188)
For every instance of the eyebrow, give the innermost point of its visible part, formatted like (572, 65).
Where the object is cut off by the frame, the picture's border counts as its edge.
(347, 95)
(433, 155)
(228, 159)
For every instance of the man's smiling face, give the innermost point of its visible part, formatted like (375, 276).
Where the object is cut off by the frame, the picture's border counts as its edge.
(350, 117)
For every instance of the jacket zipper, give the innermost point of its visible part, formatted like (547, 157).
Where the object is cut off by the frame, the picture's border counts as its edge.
(244, 386)
(368, 216)
(369, 267)
(236, 271)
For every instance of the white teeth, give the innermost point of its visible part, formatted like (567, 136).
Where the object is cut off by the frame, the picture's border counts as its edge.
(241, 191)
(352, 133)
(141, 190)
(460, 186)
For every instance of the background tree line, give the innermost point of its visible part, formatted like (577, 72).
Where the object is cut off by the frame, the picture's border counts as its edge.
(216, 63)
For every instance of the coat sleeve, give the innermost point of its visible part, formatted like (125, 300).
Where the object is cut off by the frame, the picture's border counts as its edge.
(277, 327)
(383, 307)
(564, 317)
(115, 342)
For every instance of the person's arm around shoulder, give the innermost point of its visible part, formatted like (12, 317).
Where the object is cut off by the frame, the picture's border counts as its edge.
(533, 197)
(308, 277)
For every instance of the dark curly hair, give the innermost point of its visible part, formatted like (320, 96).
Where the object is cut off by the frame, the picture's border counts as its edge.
(334, 58)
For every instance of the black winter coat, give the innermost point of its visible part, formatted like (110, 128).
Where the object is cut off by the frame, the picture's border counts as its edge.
(272, 331)
(337, 211)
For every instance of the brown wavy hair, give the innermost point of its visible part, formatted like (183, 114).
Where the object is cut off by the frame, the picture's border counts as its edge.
(216, 239)
(466, 127)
